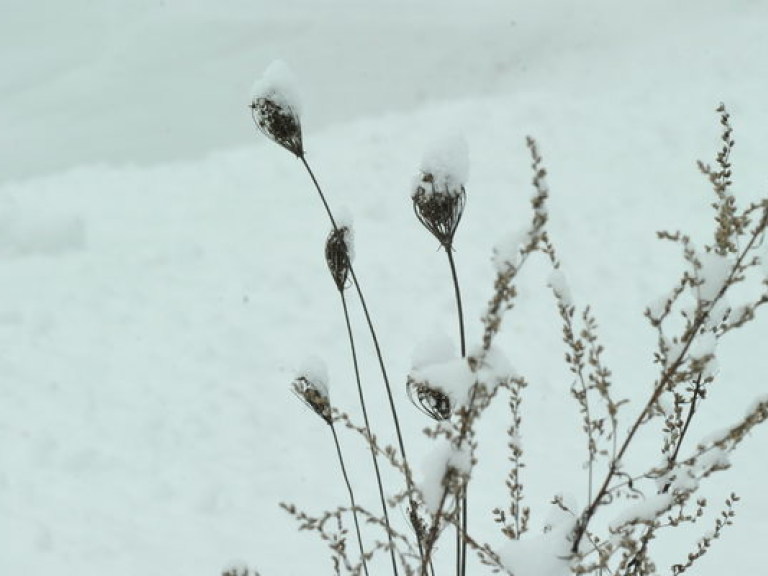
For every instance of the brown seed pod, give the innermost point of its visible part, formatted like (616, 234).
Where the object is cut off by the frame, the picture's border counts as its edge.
(315, 396)
(338, 257)
(278, 121)
(430, 400)
(439, 209)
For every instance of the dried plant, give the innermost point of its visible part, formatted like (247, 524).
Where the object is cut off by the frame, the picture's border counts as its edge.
(311, 388)
(338, 255)
(439, 206)
(438, 202)
(647, 501)
(285, 129)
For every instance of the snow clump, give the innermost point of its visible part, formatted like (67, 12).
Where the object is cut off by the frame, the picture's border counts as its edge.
(279, 85)
(445, 458)
(447, 161)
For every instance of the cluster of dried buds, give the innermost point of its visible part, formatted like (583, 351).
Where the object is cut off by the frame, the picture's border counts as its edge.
(439, 206)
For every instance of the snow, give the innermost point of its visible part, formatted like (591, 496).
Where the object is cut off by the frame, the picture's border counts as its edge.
(703, 349)
(496, 367)
(453, 377)
(278, 84)
(433, 350)
(447, 160)
(506, 252)
(559, 284)
(316, 372)
(543, 554)
(645, 511)
(443, 456)
(162, 272)
(714, 272)
(25, 233)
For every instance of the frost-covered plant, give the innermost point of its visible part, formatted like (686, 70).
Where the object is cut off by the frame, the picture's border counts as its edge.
(627, 508)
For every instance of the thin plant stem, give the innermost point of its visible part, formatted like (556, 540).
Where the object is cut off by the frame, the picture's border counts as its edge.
(395, 418)
(368, 429)
(691, 412)
(461, 543)
(351, 497)
(374, 338)
(457, 292)
(320, 192)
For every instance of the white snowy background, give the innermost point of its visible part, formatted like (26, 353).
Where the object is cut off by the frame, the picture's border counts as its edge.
(162, 272)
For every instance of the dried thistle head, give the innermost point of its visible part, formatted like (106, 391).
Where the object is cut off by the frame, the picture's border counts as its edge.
(438, 208)
(311, 387)
(275, 108)
(339, 253)
(438, 194)
(432, 401)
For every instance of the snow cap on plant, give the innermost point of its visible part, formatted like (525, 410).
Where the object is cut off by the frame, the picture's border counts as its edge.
(311, 386)
(431, 383)
(275, 107)
(340, 250)
(438, 194)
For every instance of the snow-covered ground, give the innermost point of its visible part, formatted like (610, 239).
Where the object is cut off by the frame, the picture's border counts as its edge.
(162, 272)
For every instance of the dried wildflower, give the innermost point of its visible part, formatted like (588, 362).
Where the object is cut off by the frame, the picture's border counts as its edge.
(439, 207)
(275, 108)
(338, 255)
(314, 393)
(430, 400)
(279, 122)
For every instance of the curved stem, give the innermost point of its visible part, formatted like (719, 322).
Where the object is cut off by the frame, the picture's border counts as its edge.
(319, 191)
(388, 388)
(461, 543)
(368, 431)
(351, 497)
(457, 293)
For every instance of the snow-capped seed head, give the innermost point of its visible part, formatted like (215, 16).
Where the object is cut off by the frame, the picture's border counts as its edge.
(275, 108)
(438, 193)
(310, 385)
(438, 209)
(429, 399)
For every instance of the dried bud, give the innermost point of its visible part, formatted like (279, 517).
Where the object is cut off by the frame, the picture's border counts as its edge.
(275, 108)
(338, 254)
(430, 400)
(312, 389)
(438, 194)
(439, 209)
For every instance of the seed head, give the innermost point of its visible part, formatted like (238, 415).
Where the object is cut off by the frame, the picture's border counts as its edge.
(275, 108)
(430, 400)
(439, 207)
(338, 255)
(279, 122)
(313, 391)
